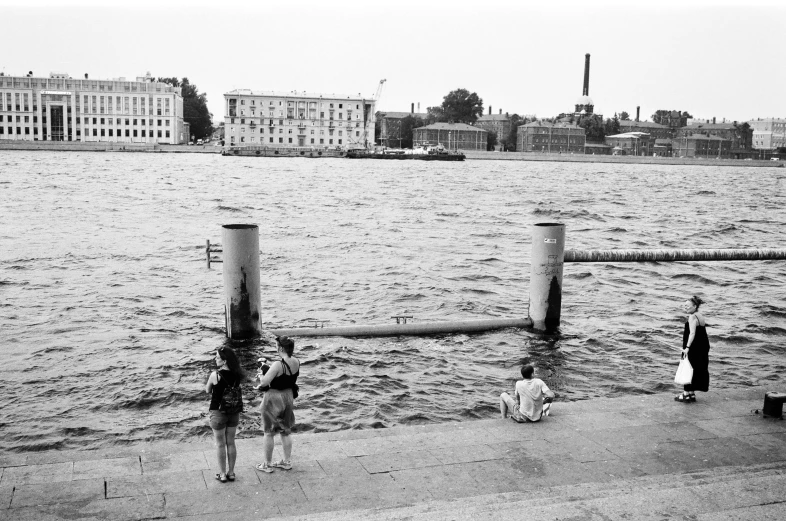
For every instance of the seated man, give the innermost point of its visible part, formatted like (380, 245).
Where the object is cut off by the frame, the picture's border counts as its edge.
(534, 398)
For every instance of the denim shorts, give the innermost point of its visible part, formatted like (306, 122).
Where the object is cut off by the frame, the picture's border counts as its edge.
(221, 420)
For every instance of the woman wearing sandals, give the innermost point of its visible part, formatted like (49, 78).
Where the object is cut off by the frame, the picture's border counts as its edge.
(224, 424)
(278, 404)
(696, 346)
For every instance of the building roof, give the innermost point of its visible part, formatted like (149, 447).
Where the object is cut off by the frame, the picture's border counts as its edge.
(451, 126)
(494, 117)
(709, 126)
(630, 135)
(597, 145)
(402, 115)
(547, 125)
(295, 94)
(642, 124)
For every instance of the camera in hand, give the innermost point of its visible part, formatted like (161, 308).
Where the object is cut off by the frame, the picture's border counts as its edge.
(263, 368)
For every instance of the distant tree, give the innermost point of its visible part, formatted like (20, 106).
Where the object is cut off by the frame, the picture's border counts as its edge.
(612, 126)
(744, 134)
(624, 116)
(511, 139)
(491, 140)
(593, 128)
(459, 106)
(435, 114)
(195, 111)
(407, 127)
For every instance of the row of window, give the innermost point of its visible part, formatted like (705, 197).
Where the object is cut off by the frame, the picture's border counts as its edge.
(103, 132)
(281, 140)
(291, 104)
(301, 115)
(272, 122)
(94, 104)
(83, 85)
(103, 121)
(281, 131)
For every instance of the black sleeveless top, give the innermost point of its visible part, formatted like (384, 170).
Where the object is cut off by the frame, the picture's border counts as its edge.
(286, 380)
(225, 378)
(698, 356)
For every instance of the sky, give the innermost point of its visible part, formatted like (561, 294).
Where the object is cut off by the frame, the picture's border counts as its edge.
(722, 58)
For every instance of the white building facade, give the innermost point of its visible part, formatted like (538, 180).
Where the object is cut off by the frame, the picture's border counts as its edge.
(294, 119)
(768, 134)
(61, 108)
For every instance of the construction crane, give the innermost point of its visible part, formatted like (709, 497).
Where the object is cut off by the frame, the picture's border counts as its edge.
(367, 117)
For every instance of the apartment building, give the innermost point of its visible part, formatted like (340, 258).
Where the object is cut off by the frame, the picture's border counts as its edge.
(61, 108)
(297, 119)
(768, 134)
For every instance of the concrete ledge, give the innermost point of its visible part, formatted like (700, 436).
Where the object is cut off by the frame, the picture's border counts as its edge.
(637, 456)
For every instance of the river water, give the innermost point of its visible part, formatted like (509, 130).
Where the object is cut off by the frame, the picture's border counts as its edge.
(109, 317)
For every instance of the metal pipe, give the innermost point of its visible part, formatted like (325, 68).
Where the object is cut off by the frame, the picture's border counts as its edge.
(241, 280)
(545, 281)
(421, 328)
(726, 254)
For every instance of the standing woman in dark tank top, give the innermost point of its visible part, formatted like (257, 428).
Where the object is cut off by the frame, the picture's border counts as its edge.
(278, 415)
(696, 346)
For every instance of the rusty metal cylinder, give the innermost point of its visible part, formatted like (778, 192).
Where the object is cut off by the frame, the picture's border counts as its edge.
(545, 284)
(241, 280)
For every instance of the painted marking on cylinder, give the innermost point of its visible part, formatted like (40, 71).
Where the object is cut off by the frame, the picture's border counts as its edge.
(550, 241)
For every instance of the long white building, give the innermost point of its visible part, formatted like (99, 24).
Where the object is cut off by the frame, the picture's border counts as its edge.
(61, 108)
(297, 119)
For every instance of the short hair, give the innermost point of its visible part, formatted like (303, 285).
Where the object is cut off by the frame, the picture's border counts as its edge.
(696, 301)
(287, 344)
(527, 371)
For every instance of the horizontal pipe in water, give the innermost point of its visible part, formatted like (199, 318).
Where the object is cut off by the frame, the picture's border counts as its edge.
(725, 254)
(412, 329)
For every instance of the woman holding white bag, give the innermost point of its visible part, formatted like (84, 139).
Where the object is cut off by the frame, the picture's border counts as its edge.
(696, 347)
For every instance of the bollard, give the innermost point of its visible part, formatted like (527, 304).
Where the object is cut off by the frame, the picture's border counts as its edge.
(241, 280)
(545, 284)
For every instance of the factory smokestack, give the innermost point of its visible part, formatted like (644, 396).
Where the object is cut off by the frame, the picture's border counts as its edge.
(489, 110)
(638, 109)
(413, 108)
(585, 92)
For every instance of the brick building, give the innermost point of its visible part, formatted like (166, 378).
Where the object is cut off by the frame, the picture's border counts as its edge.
(701, 145)
(729, 131)
(541, 136)
(453, 136)
(390, 126)
(499, 123)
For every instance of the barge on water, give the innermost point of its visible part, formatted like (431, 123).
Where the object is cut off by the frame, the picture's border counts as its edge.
(262, 151)
(437, 153)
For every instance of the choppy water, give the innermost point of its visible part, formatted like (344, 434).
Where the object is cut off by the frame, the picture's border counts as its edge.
(109, 317)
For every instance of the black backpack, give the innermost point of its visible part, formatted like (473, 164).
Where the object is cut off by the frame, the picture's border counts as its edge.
(232, 399)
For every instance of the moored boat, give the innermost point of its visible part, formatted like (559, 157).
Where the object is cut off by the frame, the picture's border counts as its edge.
(431, 153)
(262, 151)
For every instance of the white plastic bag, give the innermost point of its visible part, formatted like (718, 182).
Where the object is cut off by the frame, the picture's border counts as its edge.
(684, 374)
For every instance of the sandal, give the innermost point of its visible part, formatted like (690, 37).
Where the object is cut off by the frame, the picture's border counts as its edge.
(692, 397)
(231, 476)
(221, 477)
(285, 465)
(682, 397)
(264, 467)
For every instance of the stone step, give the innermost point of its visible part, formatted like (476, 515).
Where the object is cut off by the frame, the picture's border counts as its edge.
(740, 492)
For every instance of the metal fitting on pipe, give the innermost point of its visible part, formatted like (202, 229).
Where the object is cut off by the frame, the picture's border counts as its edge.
(241, 280)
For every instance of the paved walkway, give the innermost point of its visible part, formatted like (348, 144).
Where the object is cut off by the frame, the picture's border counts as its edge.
(643, 457)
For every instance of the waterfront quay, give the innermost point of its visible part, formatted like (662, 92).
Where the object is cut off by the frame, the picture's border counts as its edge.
(632, 457)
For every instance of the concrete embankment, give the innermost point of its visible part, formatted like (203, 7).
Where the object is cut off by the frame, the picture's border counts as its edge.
(583, 158)
(634, 457)
(76, 146)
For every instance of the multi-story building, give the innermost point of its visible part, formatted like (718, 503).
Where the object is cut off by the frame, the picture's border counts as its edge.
(390, 128)
(499, 123)
(630, 144)
(453, 136)
(297, 119)
(541, 136)
(61, 108)
(702, 145)
(739, 138)
(655, 130)
(768, 134)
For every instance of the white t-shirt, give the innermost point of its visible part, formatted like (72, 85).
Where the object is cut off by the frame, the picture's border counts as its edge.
(531, 393)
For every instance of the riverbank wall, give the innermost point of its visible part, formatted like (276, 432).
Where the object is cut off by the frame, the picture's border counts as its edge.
(77, 146)
(641, 160)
